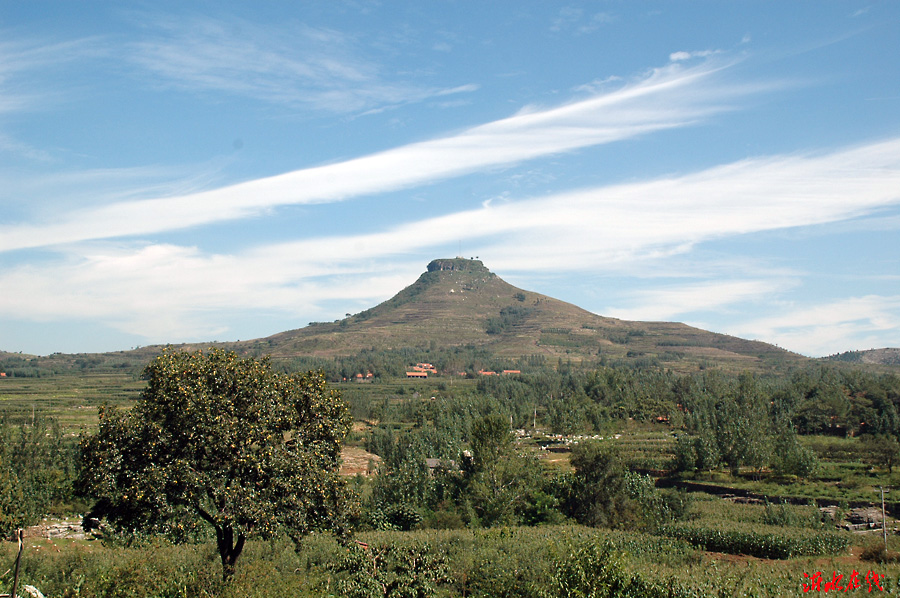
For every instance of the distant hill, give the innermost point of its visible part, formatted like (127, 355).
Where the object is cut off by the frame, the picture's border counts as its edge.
(459, 302)
(887, 356)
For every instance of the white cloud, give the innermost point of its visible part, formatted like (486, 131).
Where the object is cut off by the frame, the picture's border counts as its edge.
(869, 322)
(637, 221)
(24, 61)
(295, 65)
(167, 293)
(682, 56)
(42, 192)
(667, 98)
(672, 302)
(10, 145)
(154, 290)
(25, 66)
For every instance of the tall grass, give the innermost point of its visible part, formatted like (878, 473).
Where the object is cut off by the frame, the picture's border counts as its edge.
(500, 562)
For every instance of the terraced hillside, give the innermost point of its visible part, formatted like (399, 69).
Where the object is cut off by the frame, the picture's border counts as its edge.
(460, 302)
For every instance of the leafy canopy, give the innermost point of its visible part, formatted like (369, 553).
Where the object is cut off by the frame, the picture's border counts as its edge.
(224, 441)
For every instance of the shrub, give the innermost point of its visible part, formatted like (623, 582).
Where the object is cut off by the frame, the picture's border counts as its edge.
(596, 570)
(878, 553)
(791, 516)
(383, 570)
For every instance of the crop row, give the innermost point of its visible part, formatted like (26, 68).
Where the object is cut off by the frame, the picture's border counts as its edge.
(764, 541)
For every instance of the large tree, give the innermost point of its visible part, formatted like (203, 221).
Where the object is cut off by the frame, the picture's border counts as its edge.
(220, 440)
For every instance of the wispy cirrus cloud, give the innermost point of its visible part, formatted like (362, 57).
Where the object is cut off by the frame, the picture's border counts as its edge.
(296, 65)
(672, 302)
(667, 98)
(170, 293)
(40, 193)
(610, 227)
(682, 55)
(23, 63)
(26, 67)
(648, 220)
(871, 321)
(570, 18)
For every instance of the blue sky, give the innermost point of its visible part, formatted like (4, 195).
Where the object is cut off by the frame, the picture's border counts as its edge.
(175, 171)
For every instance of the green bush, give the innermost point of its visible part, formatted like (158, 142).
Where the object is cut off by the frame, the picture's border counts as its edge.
(785, 515)
(389, 570)
(596, 570)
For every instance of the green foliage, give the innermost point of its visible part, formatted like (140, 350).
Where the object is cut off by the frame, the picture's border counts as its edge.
(792, 458)
(595, 570)
(520, 562)
(390, 571)
(769, 542)
(881, 450)
(785, 515)
(403, 480)
(502, 486)
(696, 453)
(37, 468)
(599, 495)
(494, 563)
(219, 440)
(13, 512)
(491, 441)
(509, 317)
(655, 507)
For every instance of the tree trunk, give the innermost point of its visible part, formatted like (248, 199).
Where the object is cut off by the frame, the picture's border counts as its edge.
(229, 551)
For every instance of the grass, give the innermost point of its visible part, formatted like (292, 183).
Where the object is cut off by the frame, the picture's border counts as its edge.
(503, 562)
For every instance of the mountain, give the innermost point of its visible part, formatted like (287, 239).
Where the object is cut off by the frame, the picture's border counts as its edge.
(458, 302)
(887, 356)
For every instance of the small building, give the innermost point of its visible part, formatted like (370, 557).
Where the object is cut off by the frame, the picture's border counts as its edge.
(506, 372)
(416, 375)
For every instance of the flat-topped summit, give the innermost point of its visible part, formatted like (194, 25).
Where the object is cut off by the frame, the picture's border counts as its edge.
(459, 302)
(458, 264)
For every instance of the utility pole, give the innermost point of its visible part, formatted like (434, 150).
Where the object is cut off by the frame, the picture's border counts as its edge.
(883, 518)
(20, 534)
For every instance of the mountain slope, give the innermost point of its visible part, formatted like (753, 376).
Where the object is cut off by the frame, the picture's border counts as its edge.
(886, 356)
(460, 302)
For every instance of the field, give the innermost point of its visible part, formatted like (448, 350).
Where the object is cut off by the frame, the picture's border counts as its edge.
(721, 548)
(500, 562)
(71, 400)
